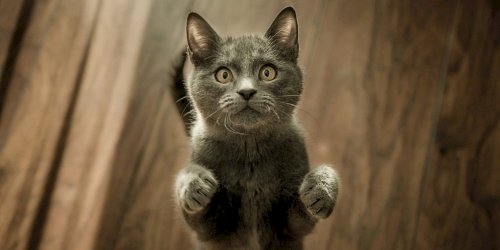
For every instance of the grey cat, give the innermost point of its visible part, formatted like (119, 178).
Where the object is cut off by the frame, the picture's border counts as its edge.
(248, 184)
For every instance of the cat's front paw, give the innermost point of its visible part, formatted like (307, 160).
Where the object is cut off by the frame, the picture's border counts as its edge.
(319, 191)
(194, 189)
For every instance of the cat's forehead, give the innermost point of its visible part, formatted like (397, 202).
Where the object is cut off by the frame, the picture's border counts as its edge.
(245, 47)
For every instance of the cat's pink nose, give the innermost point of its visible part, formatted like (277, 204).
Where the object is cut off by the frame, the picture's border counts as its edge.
(247, 93)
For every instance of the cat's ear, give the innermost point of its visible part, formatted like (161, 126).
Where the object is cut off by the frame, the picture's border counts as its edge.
(284, 33)
(202, 39)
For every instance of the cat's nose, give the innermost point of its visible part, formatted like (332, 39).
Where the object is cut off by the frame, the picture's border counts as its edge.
(247, 93)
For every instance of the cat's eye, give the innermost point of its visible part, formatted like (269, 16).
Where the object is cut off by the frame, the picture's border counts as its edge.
(223, 75)
(267, 73)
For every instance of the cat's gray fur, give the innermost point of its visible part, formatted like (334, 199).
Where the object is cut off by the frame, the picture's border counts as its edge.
(248, 184)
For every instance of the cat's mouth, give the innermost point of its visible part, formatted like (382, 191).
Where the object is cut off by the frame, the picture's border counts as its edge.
(243, 117)
(246, 109)
(251, 113)
(249, 108)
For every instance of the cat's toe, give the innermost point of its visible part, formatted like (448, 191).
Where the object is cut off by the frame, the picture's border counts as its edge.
(318, 203)
(319, 191)
(197, 193)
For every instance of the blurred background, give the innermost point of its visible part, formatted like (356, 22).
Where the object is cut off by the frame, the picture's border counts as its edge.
(402, 96)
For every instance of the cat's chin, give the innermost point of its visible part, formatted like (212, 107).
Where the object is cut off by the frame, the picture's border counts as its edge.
(248, 120)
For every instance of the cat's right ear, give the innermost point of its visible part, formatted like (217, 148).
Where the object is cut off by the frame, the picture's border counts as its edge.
(202, 39)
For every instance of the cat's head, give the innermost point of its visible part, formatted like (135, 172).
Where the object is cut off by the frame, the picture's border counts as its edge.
(245, 84)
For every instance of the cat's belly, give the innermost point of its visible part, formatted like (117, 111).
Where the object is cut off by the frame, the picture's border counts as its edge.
(250, 209)
(247, 217)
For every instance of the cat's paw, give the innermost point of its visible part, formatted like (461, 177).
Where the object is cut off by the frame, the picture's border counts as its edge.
(319, 191)
(194, 189)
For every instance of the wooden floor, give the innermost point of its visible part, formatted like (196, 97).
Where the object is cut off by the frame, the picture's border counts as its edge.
(403, 97)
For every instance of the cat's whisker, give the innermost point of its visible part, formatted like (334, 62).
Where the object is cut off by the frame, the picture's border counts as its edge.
(285, 113)
(293, 105)
(229, 119)
(187, 113)
(217, 121)
(182, 98)
(228, 128)
(289, 95)
(274, 111)
(219, 109)
(303, 110)
(184, 110)
(225, 124)
(233, 123)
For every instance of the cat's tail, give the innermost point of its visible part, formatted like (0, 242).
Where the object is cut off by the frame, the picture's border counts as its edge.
(178, 90)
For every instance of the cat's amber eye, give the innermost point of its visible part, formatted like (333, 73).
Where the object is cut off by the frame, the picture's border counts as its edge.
(223, 75)
(267, 73)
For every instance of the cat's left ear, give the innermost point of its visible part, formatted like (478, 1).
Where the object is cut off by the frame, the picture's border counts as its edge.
(202, 39)
(284, 33)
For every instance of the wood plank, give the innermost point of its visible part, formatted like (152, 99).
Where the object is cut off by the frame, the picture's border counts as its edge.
(152, 145)
(461, 199)
(81, 187)
(9, 17)
(35, 106)
(372, 92)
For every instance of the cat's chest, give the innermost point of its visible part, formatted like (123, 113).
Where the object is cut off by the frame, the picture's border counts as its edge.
(248, 168)
(245, 158)
(250, 176)
(257, 169)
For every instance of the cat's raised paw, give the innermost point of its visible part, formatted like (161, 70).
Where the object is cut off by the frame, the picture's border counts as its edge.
(195, 189)
(319, 191)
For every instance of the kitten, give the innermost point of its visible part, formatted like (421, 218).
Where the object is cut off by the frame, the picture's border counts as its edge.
(248, 184)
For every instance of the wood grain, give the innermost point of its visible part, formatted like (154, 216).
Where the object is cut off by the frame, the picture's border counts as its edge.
(85, 168)
(152, 145)
(373, 94)
(461, 197)
(10, 12)
(38, 99)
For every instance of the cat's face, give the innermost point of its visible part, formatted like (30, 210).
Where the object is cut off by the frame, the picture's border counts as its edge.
(242, 84)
